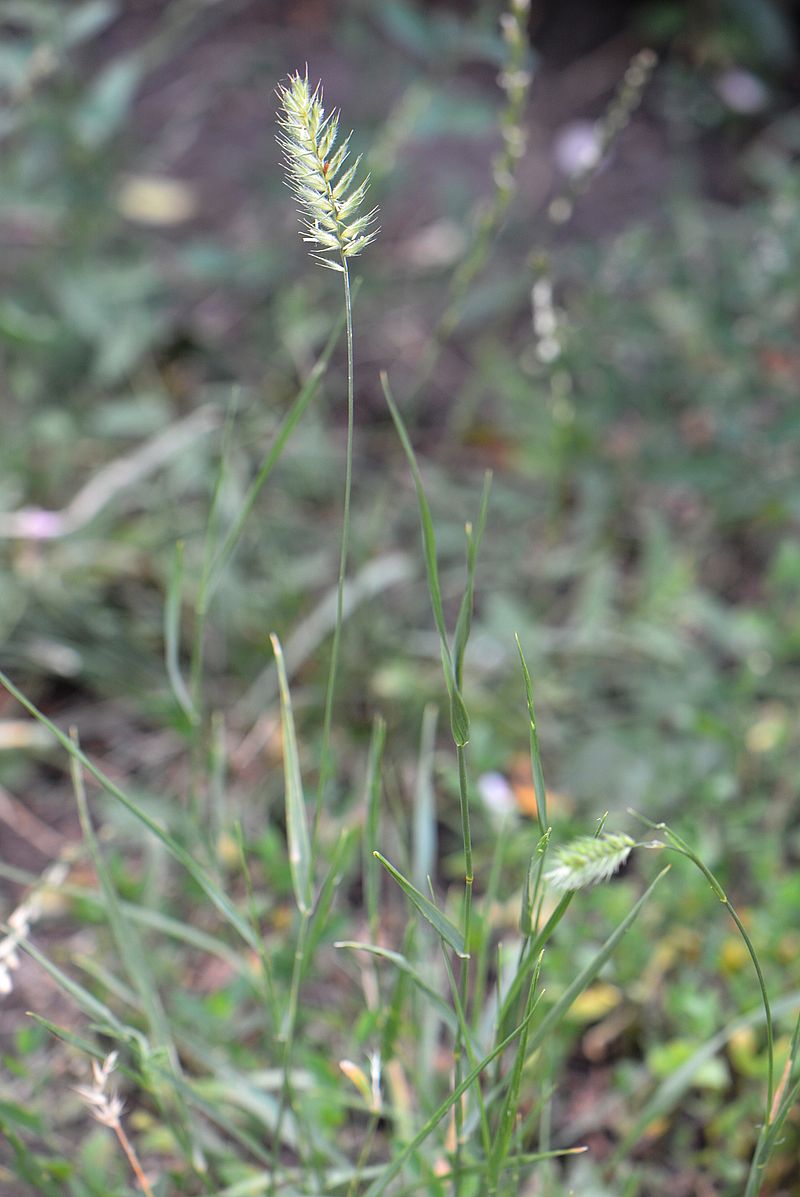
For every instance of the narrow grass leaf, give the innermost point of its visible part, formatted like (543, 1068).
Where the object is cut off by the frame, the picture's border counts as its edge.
(296, 819)
(86, 1046)
(129, 947)
(213, 1112)
(209, 887)
(105, 1018)
(446, 930)
(171, 927)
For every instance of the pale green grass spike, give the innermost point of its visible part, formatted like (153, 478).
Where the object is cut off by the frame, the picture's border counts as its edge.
(327, 195)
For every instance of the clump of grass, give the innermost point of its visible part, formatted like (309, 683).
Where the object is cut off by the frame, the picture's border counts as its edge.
(467, 1129)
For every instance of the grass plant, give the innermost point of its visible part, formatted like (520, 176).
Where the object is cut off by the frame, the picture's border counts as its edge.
(403, 979)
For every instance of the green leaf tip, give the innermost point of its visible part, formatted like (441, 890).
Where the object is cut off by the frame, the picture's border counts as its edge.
(447, 931)
(326, 191)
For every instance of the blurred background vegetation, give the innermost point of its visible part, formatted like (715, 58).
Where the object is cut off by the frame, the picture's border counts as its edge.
(626, 361)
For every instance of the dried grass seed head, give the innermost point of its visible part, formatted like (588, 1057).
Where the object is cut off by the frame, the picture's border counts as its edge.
(318, 173)
(103, 1102)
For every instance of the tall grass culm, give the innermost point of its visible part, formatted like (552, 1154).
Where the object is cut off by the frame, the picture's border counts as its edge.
(463, 1030)
(331, 201)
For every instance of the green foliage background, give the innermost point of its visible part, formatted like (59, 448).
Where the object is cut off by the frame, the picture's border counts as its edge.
(642, 536)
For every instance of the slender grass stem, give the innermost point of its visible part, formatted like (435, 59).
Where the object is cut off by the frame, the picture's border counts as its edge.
(467, 836)
(465, 971)
(325, 754)
(133, 1159)
(679, 845)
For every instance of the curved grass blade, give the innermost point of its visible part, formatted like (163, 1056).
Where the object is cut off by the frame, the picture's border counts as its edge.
(679, 845)
(446, 930)
(102, 1016)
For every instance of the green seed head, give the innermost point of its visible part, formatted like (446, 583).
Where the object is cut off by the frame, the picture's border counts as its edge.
(587, 860)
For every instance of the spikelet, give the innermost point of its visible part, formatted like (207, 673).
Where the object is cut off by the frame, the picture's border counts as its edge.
(325, 188)
(587, 860)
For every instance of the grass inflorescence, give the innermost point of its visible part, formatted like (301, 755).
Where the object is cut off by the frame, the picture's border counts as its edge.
(321, 176)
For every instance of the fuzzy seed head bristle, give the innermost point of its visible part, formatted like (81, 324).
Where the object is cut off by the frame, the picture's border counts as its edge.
(588, 860)
(326, 191)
